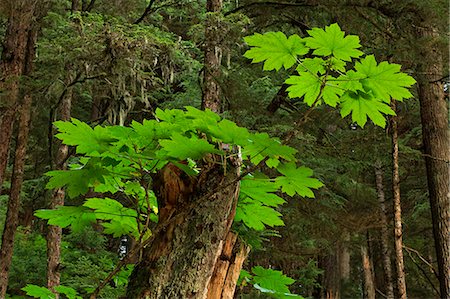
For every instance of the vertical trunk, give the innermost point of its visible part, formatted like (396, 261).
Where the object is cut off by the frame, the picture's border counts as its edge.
(12, 66)
(331, 281)
(435, 133)
(12, 215)
(344, 257)
(211, 87)
(55, 232)
(180, 261)
(401, 282)
(385, 251)
(369, 287)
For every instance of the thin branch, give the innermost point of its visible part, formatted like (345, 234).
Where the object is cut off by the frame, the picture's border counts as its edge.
(147, 11)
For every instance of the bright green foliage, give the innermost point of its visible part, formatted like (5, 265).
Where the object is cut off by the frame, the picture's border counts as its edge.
(384, 80)
(297, 180)
(331, 41)
(271, 282)
(275, 49)
(120, 160)
(38, 292)
(75, 217)
(364, 91)
(122, 221)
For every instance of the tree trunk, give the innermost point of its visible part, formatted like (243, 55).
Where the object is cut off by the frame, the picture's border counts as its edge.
(12, 66)
(369, 287)
(55, 232)
(211, 87)
(385, 251)
(12, 214)
(401, 282)
(344, 257)
(435, 134)
(180, 261)
(228, 268)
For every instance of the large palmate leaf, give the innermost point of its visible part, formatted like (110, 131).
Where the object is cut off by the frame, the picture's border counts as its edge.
(363, 106)
(122, 220)
(275, 49)
(38, 292)
(297, 180)
(88, 141)
(331, 41)
(309, 86)
(182, 147)
(262, 190)
(260, 145)
(256, 215)
(271, 279)
(75, 217)
(384, 80)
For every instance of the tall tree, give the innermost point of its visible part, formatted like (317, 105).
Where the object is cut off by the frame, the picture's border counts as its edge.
(386, 253)
(436, 143)
(398, 232)
(12, 66)
(54, 233)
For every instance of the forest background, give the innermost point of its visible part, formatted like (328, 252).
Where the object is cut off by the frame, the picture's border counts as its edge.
(111, 62)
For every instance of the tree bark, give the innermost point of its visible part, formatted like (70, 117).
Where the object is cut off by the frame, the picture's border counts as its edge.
(385, 251)
(180, 261)
(435, 135)
(398, 235)
(55, 232)
(369, 287)
(12, 66)
(211, 88)
(344, 257)
(12, 214)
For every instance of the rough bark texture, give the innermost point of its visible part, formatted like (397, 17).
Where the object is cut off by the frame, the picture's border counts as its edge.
(228, 267)
(331, 279)
(398, 234)
(435, 133)
(55, 232)
(344, 257)
(179, 263)
(369, 287)
(211, 87)
(12, 214)
(385, 251)
(12, 66)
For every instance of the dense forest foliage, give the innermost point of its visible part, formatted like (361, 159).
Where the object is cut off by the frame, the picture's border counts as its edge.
(224, 149)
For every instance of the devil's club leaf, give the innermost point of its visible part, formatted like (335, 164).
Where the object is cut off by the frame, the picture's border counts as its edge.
(384, 80)
(331, 41)
(275, 49)
(271, 279)
(182, 147)
(297, 180)
(75, 217)
(256, 216)
(362, 106)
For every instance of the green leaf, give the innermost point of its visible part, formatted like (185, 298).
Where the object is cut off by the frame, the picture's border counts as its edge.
(38, 292)
(68, 291)
(255, 215)
(305, 85)
(363, 106)
(181, 147)
(351, 81)
(384, 80)
(261, 189)
(297, 180)
(228, 132)
(314, 66)
(308, 86)
(122, 220)
(261, 145)
(331, 41)
(75, 217)
(275, 49)
(88, 141)
(271, 279)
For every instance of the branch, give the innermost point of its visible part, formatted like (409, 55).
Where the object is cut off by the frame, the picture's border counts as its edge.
(269, 3)
(147, 11)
